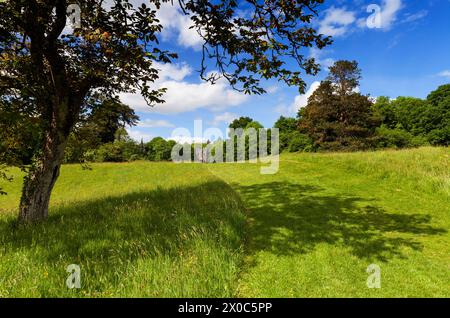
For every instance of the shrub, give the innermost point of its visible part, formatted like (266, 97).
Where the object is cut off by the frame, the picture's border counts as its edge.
(110, 152)
(439, 136)
(159, 149)
(397, 138)
(299, 142)
(118, 151)
(90, 155)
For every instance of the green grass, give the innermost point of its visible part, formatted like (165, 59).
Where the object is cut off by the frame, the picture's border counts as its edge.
(160, 229)
(136, 230)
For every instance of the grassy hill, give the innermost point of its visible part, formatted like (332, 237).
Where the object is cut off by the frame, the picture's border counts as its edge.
(220, 230)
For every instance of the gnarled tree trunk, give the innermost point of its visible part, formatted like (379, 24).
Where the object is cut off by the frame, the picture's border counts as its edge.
(41, 178)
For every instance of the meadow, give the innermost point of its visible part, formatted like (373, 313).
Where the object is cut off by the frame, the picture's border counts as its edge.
(144, 229)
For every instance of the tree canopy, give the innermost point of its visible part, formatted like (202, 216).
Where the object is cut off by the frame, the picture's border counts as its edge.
(337, 116)
(428, 118)
(240, 122)
(107, 116)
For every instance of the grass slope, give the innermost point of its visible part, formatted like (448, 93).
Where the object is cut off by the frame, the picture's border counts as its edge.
(160, 229)
(136, 230)
(324, 218)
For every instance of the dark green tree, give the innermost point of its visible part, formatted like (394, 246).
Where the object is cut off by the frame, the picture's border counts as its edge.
(122, 149)
(345, 75)
(240, 122)
(254, 124)
(290, 137)
(436, 120)
(428, 119)
(286, 124)
(338, 117)
(107, 116)
(159, 149)
(439, 95)
(100, 126)
(384, 110)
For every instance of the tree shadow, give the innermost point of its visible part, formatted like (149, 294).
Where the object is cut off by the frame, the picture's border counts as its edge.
(289, 218)
(108, 234)
(165, 215)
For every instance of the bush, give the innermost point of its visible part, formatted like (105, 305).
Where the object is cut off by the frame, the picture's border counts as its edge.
(159, 149)
(439, 136)
(299, 142)
(118, 151)
(78, 145)
(397, 138)
(89, 155)
(110, 152)
(129, 149)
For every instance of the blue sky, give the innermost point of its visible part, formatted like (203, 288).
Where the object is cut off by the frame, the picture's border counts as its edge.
(407, 54)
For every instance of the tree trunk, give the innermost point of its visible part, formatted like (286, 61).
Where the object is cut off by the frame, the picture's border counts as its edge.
(59, 105)
(41, 178)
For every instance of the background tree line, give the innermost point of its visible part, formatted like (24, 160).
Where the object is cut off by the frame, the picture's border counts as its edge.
(102, 137)
(338, 117)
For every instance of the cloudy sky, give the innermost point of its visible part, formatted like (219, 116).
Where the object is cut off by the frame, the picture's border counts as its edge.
(406, 54)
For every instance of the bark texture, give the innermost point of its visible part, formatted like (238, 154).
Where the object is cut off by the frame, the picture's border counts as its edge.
(39, 184)
(42, 176)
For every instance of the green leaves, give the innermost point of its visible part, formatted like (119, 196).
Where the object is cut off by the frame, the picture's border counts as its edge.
(337, 117)
(265, 41)
(428, 119)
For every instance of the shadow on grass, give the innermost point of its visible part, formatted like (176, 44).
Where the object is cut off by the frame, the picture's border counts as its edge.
(108, 234)
(291, 218)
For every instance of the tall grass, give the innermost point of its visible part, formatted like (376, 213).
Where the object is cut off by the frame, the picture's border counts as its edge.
(317, 224)
(136, 230)
(424, 169)
(189, 230)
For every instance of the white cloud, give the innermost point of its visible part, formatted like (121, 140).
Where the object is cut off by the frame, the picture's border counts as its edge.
(153, 123)
(174, 21)
(445, 74)
(415, 16)
(223, 118)
(300, 101)
(337, 22)
(138, 135)
(171, 71)
(318, 55)
(389, 12)
(183, 96)
(272, 89)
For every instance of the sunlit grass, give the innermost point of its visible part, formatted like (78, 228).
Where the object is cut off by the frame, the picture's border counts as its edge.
(317, 224)
(141, 230)
(189, 230)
